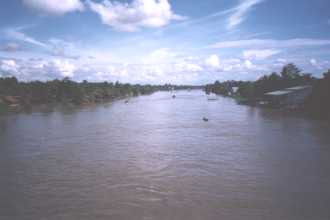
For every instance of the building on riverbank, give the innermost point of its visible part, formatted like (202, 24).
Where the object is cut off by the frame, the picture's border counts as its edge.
(289, 97)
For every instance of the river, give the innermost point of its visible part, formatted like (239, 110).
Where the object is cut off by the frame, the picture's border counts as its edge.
(154, 158)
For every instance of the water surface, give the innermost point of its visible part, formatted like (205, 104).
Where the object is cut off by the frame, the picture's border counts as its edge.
(155, 158)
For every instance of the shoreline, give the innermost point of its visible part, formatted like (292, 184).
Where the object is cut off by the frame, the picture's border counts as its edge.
(58, 106)
(300, 111)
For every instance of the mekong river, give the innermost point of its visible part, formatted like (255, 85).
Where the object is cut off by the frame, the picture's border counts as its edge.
(156, 159)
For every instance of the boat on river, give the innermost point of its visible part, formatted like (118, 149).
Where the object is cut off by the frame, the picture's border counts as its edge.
(205, 119)
(212, 97)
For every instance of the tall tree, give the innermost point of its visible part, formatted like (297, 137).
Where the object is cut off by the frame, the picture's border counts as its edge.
(290, 72)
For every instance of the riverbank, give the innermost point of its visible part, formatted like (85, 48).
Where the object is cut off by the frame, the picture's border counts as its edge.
(290, 90)
(50, 107)
(17, 104)
(300, 111)
(18, 96)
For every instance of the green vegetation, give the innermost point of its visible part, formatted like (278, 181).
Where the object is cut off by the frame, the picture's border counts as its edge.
(253, 91)
(317, 104)
(3, 108)
(17, 96)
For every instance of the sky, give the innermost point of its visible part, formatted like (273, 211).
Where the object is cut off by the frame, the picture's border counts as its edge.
(162, 41)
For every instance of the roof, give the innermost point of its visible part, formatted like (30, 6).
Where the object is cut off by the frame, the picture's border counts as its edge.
(298, 88)
(235, 88)
(278, 93)
(287, 90)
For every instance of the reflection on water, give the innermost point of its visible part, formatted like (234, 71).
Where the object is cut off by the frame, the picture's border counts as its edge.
(155, 158)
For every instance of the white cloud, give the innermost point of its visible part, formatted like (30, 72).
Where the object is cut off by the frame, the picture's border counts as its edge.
(240, 12)
(271, 43)
(249, 65)
(183, 71)
(66, 68)
(259, 54)
(54, 7)
(313, 62)
(282, 60)
(213, 61)
(20, 36)
(10, 63)
(161, 55)
(166, 66)
(231, 64)
(8, 67)
(188, 67)
(133, 16)
(38, 69)
(319, 64)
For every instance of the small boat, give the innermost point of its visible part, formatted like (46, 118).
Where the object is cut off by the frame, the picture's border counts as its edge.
(205, 119)
(173, 96)
(212, 97)
(126, 101)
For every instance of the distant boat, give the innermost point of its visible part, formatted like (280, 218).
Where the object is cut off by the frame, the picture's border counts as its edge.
(205, 119)
(126, 101)
(212, 97)
(173, 96)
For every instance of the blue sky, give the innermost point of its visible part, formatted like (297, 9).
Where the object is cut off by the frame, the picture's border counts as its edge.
(162, 41)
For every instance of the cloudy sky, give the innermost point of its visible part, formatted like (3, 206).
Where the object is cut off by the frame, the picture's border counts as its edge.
(162, 41)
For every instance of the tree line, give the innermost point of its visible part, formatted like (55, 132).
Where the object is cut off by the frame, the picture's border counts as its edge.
(24, 95)
(250, 92)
